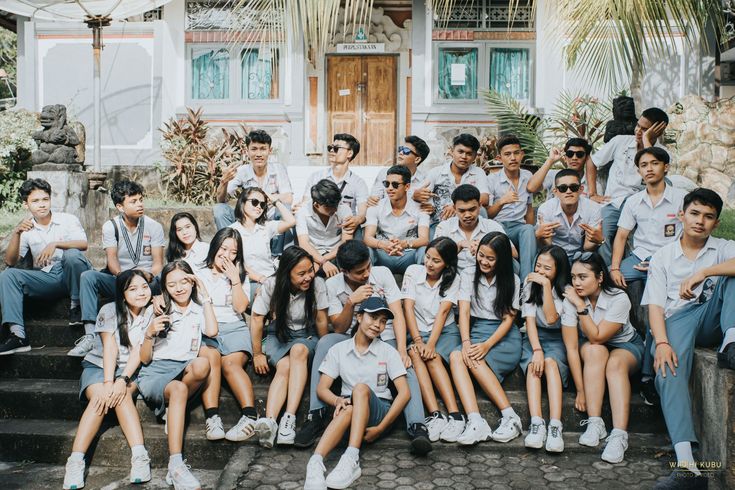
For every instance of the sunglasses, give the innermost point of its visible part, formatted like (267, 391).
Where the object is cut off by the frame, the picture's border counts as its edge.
(583, 256)
(563, 188)
(405, 150)
(335, 148)
(257, 202)
(393, 184)
(578, 154)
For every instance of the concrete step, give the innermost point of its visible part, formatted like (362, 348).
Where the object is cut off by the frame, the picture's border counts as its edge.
(50, 441)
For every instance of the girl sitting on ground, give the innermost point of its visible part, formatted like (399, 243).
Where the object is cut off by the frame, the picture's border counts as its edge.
(184, 241)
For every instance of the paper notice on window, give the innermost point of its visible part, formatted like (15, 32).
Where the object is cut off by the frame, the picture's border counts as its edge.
(458, 76)
(344, 92)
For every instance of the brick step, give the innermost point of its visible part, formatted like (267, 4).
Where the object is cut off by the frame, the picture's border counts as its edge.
(50, 441)
(59, 399)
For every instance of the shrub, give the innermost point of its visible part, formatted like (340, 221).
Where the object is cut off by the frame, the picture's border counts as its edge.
(16, 146)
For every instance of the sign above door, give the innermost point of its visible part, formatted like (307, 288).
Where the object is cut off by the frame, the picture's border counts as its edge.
(361, 48)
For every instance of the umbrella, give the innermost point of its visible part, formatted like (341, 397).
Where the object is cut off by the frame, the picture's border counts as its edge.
(96, 14)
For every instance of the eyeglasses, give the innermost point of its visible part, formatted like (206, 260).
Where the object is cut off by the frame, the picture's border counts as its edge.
(583, 256)
(405, 150)
(393, 184)
(335, 148)
(257, 202)
(563, 188)
(578, 154)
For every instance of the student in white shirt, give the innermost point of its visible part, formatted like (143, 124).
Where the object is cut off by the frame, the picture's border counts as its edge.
(184, 241)
(623, 178)
(172, 371)
(227, 284)
(690, 293)
(491, 343)
(574, 157)
(320, 226)
(397, 230)
(596, 328)
(411, 154)
(429, 296)
(366, 407)
(257, 232)
(108, 378)
(544, 354)
(56, 242)
(295, 301)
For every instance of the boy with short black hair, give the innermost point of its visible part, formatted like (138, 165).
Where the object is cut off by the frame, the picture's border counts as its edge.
(575, 154)
(55, 241)
(411, 155)
(131, 241)
(689, 293)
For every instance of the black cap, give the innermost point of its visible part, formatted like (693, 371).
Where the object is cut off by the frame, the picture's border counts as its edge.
(375, 304)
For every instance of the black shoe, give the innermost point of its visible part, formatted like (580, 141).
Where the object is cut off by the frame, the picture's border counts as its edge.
(420, 443)
(649, 394)
(726, 358)
(14, 344)
(75, 316)
(683, 480)
(311, 430)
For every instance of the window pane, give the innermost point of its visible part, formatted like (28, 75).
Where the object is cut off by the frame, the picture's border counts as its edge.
(510, 72)
(259, 74)
(458, 73)
(210, 74)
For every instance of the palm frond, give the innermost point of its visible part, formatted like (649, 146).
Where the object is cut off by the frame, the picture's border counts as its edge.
(513, 118)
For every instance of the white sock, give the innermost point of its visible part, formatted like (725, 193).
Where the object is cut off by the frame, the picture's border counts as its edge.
(596, 419)
(537, 421)
(89, 328)
(317, 457)
(684, 456)
(287, 415)
(74, 303)
(175, 459)
(352, 453)
(474, 417)
(77, 456)
(645, 379)
(619, 431)
(555, 423)
(508, 412)
(138, 450)
(729, 338)
(18, 331)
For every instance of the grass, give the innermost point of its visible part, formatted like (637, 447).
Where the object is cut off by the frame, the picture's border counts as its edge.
(727, 225)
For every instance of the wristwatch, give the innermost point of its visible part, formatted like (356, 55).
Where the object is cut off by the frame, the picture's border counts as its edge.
(127, 380)
(583, 312)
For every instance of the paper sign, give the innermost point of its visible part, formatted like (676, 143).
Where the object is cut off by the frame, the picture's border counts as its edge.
(458, 76)
(344, 92)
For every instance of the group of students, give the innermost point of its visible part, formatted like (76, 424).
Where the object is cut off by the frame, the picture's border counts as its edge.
(488, 285)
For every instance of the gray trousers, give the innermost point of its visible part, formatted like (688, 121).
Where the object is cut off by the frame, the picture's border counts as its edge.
(63, 279)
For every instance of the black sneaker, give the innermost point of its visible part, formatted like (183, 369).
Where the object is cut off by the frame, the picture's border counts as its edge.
(420, 443)
(726, 358)
(649, 393)
(75, 316)
(14, 344)
(312, 429)
(682, 480)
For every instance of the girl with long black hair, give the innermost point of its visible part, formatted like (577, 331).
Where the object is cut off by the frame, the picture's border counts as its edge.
(185, 242)
(295, 302)
(491, 343)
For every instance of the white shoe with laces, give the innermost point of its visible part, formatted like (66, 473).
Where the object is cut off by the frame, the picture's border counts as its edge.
(474, 432)
(555, 441)
(617, 443)
(435, 424)
(74, 475)
(315, 479)
(140, 468)
(266, 428)
(287, 430)
(215, 430)
(509, 429)
(453, 430)
(181, 478)
(595, 432)
(243, 430)
(536, 436)
(82, 346)
(344, 474)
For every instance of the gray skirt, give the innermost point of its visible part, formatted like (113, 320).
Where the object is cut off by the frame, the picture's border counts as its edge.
(448, 341)
(553, 346)
(635, 346)
(275, 350)
(232, 337)
(93, 374)
(152, 381)
(504, 356)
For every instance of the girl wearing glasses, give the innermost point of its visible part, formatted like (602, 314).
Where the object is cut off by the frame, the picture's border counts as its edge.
(544, 353)
(491, 343)
(256, 233)
(184, 241)
(602, 347)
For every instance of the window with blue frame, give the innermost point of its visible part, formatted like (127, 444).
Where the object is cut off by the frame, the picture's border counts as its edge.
(458, 73)
(259, 74)
(210, 74)
(510, 72)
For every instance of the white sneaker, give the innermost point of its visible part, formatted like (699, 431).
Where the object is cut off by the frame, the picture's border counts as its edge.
(181, 478)
(344, 474)
(315, 476)
(266, 429)
(74, 475)
(140, 468)
(595, 431)
(243, 430)
(475, 432)
(536, 436)
(555, 441)
(435, 424)
(453, 430)
(509, 429)
(287, 430)
(617, 443)
(82, 346)
(215, 430)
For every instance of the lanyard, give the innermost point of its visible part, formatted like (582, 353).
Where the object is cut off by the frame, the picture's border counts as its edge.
(134, 254)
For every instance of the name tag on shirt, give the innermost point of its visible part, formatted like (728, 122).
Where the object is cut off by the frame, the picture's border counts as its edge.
(382, 380)
(147, 250)
(194, 345)
(669, 230)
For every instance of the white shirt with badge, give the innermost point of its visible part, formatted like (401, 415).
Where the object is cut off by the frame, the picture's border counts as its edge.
(384, 286)
(655, 226)
(669, 267)
(184, 338)
(220, 290)
(131, 246)
(196, 256)
(537, 311)
(107, 323)
(275, 181)
(353, 188)
(450, 229)
(570, 236)
(375, 367)
(296, 304)
(403, 226)
(499, 185)
(612, 307)
(418, 180)
(428, 298)
(256, 246)
(63, 227)
(482, 302)
(441, 181)
(323, 237)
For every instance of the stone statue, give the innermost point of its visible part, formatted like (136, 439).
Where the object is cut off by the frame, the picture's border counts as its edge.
(57, 141)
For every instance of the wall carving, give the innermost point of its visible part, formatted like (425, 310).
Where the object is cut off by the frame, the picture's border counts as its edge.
(382, 30)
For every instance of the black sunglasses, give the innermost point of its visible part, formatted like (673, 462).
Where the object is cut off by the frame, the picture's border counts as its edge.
(563, 188)
(257, 202)
(405, 150)
(393, 184)
(578, 154)
(335, 148)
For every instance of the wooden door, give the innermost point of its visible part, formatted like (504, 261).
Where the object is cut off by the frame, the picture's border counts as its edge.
(362, 101)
